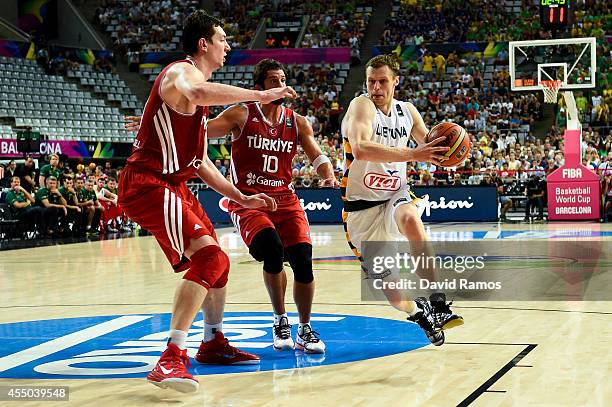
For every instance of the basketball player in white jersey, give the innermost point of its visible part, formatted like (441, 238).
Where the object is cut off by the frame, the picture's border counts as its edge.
(378, 203)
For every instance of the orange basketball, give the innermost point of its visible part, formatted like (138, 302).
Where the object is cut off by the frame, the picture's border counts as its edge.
(457, 139)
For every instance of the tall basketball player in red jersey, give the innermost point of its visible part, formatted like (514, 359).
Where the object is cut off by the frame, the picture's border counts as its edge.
(265, 139)
(170, 149)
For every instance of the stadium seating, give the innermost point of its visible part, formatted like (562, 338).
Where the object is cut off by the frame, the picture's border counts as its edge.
(54, 106)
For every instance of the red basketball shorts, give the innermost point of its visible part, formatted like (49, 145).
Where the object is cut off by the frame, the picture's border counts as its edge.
(289, 220)
(169, 211)
(110, 211)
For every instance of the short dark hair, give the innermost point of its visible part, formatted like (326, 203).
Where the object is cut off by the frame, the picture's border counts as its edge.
(390, 60)
(198, 25)
(262, 68)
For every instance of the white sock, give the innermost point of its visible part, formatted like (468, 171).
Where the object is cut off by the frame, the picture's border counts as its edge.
(178, 338)
(301, 327)
(210, 330)
(277, 318)
(415, 309)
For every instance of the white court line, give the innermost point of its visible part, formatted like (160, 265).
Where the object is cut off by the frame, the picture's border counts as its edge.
(55, 345)
(492, 234)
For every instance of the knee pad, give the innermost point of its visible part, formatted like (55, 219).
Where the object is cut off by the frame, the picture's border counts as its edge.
(209, 267)
(267, 247)
(300, 257)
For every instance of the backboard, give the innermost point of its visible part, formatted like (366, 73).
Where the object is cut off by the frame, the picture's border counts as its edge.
(571, 60)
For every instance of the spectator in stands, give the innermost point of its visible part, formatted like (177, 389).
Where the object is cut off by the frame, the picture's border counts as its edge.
(270, 42)
(88, 201)
(606, 191)
(9, 172)
(50, 170)
(440, 66)
(54, 211)
(456, 181)
(21, 204)
(27, 174)
(427, 66)
(504, 201)
(425, 178)
(222, 169)
(74, 216)
(535, 196)
(107, 200)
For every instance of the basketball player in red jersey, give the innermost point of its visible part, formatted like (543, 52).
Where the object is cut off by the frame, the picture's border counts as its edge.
(169, 149)
(264, 142)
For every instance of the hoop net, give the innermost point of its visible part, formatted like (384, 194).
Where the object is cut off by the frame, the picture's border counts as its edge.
(551, 89)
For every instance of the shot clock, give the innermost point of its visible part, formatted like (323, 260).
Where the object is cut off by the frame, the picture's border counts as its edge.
(554, 14)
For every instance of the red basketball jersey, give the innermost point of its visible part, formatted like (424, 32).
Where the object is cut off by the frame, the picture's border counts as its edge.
(263, 152)
(169, 144)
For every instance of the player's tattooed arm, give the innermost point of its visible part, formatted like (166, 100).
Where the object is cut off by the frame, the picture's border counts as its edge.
(313, 150)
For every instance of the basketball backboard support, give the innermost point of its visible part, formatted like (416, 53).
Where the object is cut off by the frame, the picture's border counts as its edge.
(570, 60)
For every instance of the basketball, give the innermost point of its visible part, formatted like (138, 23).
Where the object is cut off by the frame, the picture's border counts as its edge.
(456, 138)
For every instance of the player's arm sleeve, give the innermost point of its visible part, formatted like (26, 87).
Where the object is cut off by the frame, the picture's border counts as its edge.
(229, 121)
(419, 130)
(190, 82)
(357, 125)
(311, 147)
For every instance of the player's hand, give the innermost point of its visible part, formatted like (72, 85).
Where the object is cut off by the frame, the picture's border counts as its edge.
(270, 95)
(77, 209)
(258, 201)
(132, 123)
(65, 210)
(329, 182)
(431, 152)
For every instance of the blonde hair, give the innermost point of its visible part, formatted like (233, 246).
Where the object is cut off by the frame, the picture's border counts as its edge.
(390, 60)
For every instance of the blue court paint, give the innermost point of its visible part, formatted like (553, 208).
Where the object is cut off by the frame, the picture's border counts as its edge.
(132, 344)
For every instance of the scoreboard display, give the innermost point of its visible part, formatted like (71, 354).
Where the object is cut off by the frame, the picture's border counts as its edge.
(554, 13)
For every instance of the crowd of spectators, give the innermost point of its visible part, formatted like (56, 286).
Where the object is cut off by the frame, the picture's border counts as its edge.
(143, 26)
(152, 26)
(416, 22)
(60, 200)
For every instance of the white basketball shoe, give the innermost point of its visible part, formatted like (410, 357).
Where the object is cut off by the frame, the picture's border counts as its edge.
(282, 335)
(309, 341)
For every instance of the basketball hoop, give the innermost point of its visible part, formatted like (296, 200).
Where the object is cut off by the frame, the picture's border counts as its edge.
(551, 89)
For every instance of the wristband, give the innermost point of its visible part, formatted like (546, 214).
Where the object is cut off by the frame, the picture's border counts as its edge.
(321, 159)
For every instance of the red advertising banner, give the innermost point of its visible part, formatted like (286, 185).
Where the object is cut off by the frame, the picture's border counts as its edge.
(573, 190)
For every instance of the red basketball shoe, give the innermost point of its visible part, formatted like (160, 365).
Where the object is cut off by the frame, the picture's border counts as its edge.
(170, 371)
(220, 352)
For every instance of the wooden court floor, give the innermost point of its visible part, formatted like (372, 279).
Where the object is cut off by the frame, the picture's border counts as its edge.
(506, 354)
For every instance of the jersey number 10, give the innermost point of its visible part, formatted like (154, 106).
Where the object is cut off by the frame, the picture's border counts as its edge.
(270, 163)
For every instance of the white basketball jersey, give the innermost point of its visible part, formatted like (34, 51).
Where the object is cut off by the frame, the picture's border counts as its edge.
(371, 181)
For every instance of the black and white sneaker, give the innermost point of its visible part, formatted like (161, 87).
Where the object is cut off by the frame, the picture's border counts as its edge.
(443, 315)
(309, 341)
(282, 335)
(425, 319)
